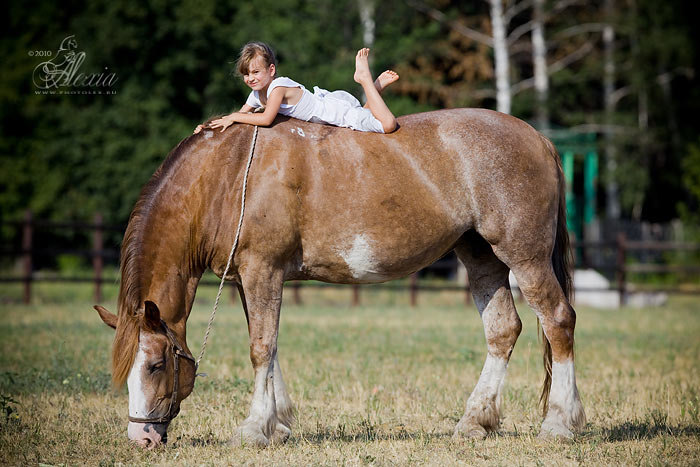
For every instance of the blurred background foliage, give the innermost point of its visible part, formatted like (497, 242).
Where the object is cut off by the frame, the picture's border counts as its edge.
(70, 156)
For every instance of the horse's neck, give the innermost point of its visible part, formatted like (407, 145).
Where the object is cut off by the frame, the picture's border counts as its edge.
(178, 248)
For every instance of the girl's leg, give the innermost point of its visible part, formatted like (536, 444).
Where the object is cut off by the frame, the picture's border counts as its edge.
(374, 100)
(383, 81)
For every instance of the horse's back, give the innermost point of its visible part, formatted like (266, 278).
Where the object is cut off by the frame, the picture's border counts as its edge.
(452, 160)
(456, 140)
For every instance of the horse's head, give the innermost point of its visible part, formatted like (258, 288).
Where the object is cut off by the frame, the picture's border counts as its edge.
(161, 373)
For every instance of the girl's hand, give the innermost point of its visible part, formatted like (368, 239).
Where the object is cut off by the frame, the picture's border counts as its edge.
(223, 122)
(198, 129)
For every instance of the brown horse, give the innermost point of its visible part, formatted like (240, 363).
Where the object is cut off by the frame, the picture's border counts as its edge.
(340, 206)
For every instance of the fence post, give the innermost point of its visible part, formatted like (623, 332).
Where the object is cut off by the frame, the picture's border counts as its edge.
(621, 260)
(234, 293)
(355, 294)
(414, 289)
(467, 290)
(297, 293)
(27, 256)
(97, 260)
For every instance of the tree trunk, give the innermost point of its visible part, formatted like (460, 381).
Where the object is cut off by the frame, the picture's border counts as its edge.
(368, 25)
(539, 60)
(612, 207)
(642, 114)
(367, 19)
(500, 51)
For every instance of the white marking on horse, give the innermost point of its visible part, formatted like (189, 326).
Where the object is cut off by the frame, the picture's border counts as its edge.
(300, 132)
(262, 415)
(564, 393)
(208, 134)
(484, 403)
(565, 409)
(137, 397)
(488, 388)
(360, 260)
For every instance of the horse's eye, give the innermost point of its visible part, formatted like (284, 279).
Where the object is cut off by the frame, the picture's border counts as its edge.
(157, 366)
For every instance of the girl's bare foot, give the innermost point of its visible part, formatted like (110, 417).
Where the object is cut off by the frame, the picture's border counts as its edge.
(362, 73)
(385, 79)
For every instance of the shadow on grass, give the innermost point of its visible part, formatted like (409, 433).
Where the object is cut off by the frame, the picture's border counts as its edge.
(209, 441)
(627, 431)
(365, 432)
(639, 430)
(315, 438)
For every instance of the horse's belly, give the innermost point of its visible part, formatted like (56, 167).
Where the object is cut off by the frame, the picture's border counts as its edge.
(363, 257)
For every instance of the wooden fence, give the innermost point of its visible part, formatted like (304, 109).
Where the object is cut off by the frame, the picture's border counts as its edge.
(620, 267)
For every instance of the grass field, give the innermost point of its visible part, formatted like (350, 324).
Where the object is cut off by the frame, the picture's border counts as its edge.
(379, 384)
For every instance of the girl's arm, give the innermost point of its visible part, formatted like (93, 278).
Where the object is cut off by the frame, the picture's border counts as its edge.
(261, 119)
(245, 109)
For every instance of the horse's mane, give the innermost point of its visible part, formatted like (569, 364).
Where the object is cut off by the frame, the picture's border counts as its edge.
(126, 338)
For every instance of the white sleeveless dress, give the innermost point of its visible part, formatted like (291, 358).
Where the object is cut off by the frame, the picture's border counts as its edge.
(339, 108)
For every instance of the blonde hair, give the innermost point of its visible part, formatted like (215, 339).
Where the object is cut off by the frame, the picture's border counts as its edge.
(252, 50)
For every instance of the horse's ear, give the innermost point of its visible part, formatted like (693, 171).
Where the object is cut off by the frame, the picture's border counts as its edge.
(151, 315)
(110, 319)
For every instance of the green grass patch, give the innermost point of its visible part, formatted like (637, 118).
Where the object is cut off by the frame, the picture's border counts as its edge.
(379, 384)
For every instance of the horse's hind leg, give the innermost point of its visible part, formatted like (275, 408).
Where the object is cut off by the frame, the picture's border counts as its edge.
(488, 279)
(539, 285)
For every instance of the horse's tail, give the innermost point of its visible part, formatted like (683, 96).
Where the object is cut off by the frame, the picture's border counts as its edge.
(562, 262)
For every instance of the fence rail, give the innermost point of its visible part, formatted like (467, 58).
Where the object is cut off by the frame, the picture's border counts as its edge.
(621, 249)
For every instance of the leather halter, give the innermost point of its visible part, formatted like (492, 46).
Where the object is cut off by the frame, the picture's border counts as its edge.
(178, 352)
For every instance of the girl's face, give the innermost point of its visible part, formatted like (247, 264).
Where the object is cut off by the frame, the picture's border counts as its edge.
(259, 74)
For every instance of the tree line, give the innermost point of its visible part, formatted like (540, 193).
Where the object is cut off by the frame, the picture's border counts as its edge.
(622, 69)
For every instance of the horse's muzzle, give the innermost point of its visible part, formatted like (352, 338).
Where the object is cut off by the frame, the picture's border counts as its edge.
(148, 435)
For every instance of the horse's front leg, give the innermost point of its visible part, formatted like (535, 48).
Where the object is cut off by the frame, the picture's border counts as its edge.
(285, 407)
(262, 285)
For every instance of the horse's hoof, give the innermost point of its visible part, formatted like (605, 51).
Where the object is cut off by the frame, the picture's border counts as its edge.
(552, 431)
(469, 430)
(281, 434)
(249, 435)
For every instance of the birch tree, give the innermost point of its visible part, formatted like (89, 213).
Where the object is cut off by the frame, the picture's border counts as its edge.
(612, 206)
(500, 53)
(368, 24)
(504, 42)
(539, 61)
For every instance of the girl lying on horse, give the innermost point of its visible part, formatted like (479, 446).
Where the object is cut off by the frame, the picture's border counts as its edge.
(282, 95)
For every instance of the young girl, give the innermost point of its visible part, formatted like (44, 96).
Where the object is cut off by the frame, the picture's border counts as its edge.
(257, 64)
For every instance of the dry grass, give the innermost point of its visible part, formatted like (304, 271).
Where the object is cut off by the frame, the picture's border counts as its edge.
(377, 385)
